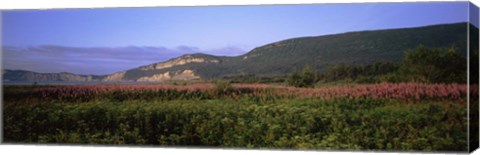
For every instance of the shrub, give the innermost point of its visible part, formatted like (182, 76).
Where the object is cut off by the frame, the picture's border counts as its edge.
(434, 65)
(307, 78)
(222, 88)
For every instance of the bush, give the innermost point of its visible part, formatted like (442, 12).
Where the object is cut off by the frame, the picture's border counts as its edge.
(434, 65)
(307, 78)
(222, 88)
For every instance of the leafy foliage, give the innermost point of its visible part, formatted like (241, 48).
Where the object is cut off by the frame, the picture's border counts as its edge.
(367, 117)
(307, 78)
(222, 88)
(423, 64)
(361, 73)
(362, 124)
(434, 65)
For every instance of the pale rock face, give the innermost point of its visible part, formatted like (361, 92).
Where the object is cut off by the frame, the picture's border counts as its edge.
(169, 75)
(177, 62)
(155, 78)
(115, 77)
(185, 75)
(178, 75)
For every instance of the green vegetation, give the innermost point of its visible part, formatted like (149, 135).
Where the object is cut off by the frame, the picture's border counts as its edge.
(288, 123)
(423, 64)
(307, 78)
(434, 65)
(252, 116)
(372, 73)
(251, 78)
(353, 48)
(222, 88)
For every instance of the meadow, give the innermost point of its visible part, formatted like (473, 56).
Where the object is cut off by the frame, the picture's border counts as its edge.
(382, 116)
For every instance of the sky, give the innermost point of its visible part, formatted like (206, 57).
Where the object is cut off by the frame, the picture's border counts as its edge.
(80, 40)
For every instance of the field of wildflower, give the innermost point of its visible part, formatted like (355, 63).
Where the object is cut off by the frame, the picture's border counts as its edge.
(384, 116)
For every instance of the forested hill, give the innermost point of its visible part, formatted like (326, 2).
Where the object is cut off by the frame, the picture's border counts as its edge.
(280, 58)
(351, 48)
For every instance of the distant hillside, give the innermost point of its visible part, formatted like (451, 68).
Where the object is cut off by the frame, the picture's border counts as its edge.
(280, 58)
(350, 48)
(22, 75)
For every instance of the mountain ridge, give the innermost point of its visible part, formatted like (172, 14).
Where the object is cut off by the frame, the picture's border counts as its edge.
(24, 75)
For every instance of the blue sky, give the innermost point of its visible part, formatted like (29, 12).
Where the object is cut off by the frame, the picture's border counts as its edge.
(219, 30)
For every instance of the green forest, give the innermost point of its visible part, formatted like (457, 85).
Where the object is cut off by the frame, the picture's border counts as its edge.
(422, 64)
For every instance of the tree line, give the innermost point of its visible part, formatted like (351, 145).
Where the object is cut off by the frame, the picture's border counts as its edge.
(422, 64)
